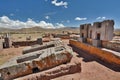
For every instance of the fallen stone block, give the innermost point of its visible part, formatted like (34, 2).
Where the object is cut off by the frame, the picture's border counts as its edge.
(40, 47)
(36, 48)
(50, 58)
(58, 71)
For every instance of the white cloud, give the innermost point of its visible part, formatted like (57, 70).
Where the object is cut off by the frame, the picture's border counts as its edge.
(9, 23)
(43, 24)
(101, 18)
(47, 17)
(61, 3)
(80, 19)
(59, 25)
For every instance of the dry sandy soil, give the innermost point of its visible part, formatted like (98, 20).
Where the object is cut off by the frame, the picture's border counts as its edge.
(9, 53)
(92, 70)
(22, 37)
(91, 67)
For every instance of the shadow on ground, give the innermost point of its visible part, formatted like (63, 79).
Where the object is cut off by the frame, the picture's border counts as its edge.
(88, 58)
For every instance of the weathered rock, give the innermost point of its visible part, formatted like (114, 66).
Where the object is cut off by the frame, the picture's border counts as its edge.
(49, 58)
(53, 73)
(99, 30)
(40, 47)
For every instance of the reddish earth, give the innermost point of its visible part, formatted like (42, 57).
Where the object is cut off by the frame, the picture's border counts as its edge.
(91, 67)
(92, 70)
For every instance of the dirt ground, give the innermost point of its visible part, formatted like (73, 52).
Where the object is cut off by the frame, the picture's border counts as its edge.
(22, 37)
(91, 67)
(91, 70)
(9, 53)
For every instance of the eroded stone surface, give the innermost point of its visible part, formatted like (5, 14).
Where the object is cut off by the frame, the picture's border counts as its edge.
(37, 61)
(61, 70)
(40, 47)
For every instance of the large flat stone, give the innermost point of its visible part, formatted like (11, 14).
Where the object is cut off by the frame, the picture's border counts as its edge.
(49, 58)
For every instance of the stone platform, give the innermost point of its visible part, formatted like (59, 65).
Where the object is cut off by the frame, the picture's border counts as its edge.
(37, 61)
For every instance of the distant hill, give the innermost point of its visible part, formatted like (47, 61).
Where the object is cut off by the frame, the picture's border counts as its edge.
(5, 29)
(117, 32)
(43, 30)
(39, 29)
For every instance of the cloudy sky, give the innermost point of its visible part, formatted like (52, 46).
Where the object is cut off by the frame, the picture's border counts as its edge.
(57, 13)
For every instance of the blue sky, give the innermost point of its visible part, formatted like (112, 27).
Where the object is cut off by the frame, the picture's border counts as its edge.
(55, 13)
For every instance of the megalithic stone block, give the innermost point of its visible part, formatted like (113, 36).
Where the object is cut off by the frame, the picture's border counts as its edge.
(58, 71)
(40, 47)
(39, 41)
(48, 59)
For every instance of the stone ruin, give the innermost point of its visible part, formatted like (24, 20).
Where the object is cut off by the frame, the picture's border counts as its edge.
(1, 44)
(40, 47)
(27, 42)
(36, 60)
(5, 41)
(100, 34)
(53, 73)
(97, 32)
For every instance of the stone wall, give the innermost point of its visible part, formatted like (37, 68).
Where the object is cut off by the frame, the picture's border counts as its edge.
(40, 47)
(107, 29)
(84, 30)
(24, 43)
(106, 44)
(103, 55)
(7, 42)
(99, 30)
(110, 45)
(27, 43)
(62, 36)
(36, 48)
(89, 41)
(1, 44)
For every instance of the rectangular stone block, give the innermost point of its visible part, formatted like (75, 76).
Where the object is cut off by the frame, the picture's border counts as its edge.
(31, 63)
(96, 43)
(39, 41)
(1, 44)
(83, 40)
(53, 73)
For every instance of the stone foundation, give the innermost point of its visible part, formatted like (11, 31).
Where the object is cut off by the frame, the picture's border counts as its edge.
(103, 55)
(96, 43)
(55, 72)
(29, 63)
(83, 40)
